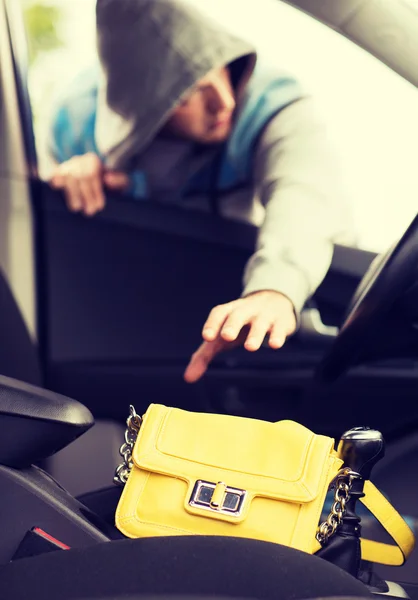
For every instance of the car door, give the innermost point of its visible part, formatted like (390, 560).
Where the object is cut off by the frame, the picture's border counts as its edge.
(122, 298)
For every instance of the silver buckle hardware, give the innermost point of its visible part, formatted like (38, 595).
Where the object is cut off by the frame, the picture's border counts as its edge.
(217, 498)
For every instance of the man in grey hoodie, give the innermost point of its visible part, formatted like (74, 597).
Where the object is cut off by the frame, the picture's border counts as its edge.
(181, 111)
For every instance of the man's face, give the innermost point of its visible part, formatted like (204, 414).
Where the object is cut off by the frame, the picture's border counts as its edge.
(205, 114)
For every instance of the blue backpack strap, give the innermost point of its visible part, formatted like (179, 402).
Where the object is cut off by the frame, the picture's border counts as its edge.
(269, 91)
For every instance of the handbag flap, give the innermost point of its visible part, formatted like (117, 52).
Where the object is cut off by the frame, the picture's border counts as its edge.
(281, 460)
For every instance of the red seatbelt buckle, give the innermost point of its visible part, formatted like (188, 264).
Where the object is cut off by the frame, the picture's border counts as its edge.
(37, 541)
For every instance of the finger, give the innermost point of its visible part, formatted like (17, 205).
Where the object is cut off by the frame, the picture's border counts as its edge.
(215, 321)
(73, 195)
(200, 361)
(116, 180)
(234, 323)
(93, 196)
(258, 331)
(277, 335)
(90, 174)
(98, 193)
(90, 204)
(58, 182)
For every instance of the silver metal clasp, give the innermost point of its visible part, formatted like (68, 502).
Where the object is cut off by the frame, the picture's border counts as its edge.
(218, 498)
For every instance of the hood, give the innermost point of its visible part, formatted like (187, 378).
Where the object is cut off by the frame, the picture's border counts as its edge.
(151, 53)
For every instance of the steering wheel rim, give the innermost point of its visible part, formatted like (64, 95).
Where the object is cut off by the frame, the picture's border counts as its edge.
(387, 279)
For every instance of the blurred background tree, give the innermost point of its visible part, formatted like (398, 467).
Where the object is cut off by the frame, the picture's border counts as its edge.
(42, 25)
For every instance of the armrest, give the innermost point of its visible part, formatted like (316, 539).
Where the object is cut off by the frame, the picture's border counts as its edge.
(36, 423)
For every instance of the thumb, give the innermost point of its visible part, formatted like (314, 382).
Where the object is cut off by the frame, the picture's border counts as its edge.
(116, 180)
(57, 182)
(200, 361)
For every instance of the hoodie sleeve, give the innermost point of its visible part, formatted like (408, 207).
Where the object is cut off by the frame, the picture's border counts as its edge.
(305, 210)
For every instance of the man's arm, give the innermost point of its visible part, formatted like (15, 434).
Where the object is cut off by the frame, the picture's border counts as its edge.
(297, 180)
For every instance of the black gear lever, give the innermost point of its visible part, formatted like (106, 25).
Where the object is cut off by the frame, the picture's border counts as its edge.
(360, 448)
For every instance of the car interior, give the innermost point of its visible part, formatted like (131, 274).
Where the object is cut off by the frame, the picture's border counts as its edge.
(92, 315)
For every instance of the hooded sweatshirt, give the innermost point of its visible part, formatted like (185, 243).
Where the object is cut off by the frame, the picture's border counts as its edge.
(275, 170)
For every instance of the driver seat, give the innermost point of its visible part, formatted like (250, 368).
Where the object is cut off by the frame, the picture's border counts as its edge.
(178, 567)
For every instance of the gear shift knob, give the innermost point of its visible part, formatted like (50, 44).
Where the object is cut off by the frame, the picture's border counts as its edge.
(361, 448)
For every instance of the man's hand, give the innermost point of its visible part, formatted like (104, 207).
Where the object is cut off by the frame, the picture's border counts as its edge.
(245, 321)
(82, 178)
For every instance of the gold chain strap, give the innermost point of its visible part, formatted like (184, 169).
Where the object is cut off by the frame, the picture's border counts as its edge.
(133, 425)
(343, 483)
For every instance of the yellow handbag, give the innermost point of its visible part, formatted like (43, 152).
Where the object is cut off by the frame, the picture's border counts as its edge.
(190, 473)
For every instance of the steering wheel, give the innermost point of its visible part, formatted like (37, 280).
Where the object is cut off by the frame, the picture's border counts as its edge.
(378, 319)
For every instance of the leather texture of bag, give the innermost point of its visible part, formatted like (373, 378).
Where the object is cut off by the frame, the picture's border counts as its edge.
(208, 474)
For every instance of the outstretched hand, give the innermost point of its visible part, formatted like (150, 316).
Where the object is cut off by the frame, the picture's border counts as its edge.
(245, 322)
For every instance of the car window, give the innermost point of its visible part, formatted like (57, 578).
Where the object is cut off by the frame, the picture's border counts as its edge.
(371, 111)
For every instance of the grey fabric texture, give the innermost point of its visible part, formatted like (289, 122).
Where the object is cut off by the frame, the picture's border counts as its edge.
(152, 52)
(297, 181)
